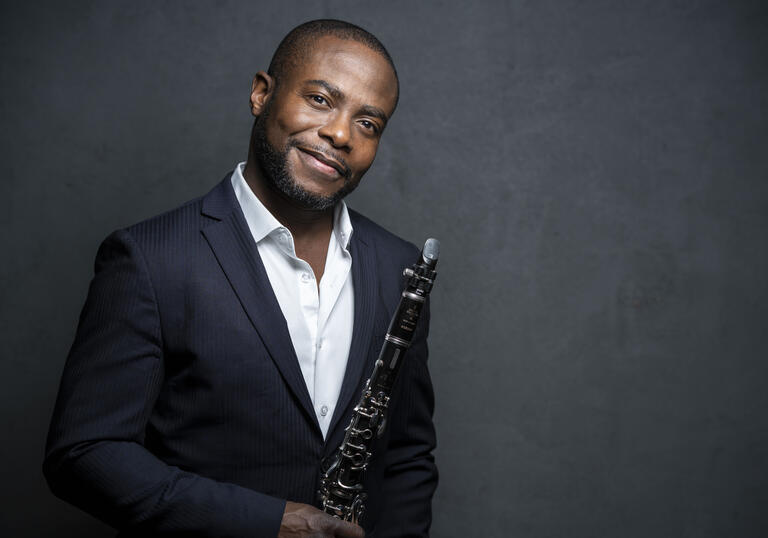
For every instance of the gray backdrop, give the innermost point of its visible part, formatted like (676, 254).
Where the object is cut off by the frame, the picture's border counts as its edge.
(596, 172)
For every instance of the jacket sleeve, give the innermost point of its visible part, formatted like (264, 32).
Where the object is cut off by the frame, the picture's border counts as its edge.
(410, 477)
(95, 455)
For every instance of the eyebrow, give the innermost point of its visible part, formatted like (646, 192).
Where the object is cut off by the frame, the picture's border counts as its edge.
(336, 93)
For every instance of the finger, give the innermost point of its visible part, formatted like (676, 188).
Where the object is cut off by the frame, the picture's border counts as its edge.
(344, 529)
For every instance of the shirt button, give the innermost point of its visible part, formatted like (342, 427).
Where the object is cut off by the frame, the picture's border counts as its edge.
(324, 410)
(319, 344)
(305, 277)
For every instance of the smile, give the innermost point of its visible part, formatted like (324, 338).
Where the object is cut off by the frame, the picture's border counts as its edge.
(321, 163)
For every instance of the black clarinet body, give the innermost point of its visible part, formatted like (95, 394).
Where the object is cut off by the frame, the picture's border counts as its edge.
(341, 485)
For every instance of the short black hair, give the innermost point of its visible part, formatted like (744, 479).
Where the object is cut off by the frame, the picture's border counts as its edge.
(298, 43)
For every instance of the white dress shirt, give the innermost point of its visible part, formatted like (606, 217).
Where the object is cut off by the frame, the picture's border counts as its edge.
(319, 317)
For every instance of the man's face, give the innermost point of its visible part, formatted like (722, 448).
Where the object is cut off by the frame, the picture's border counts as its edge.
(318, 131)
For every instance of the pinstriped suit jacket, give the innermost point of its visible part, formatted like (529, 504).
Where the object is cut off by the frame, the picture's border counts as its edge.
(182, 408)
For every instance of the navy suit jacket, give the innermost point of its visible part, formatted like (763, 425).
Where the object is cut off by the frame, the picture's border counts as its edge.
(182, 408)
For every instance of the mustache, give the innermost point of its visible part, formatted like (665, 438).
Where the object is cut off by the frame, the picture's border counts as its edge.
(346, 172)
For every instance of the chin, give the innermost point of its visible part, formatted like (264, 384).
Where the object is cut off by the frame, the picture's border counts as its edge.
(308, 198)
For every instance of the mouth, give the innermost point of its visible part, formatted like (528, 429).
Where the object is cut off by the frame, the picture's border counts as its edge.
(322, 163)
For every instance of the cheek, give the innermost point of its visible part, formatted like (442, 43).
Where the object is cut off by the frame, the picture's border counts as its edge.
(282, 128)
(365, 157)
(294, 117)
(275, 133)
(290, 123)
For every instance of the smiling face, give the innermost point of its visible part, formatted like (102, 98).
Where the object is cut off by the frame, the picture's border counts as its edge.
(318, 130)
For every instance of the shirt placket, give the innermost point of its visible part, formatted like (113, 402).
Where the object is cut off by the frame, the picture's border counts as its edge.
(337, 268)
(309, 299)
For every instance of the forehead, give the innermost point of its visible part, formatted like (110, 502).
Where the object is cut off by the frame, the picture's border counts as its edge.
(361, 73)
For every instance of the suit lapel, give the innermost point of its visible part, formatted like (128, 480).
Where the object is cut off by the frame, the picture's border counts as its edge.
(234, 248)
(365, 280)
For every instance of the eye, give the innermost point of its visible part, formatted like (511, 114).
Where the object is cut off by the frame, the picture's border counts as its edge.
(319, 99)
(369, 126)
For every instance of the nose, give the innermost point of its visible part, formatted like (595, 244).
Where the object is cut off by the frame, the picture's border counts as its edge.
(337, 130)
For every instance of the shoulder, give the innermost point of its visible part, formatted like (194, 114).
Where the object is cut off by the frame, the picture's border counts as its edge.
(180, 226)
(386, 244)
(166, 239)
(177, 224)
(160, 241)
(392, 255)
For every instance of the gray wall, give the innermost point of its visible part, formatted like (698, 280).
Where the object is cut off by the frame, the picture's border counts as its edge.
(595, 170)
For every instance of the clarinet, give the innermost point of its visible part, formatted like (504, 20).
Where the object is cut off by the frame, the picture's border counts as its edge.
(341, 483)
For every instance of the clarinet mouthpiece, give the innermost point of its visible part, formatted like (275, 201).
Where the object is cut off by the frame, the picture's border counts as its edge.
(430, 252)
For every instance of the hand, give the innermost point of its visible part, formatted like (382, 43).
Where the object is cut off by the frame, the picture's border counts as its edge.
(303, 520)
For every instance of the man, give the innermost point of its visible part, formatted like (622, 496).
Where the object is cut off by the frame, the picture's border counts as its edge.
(223, 345)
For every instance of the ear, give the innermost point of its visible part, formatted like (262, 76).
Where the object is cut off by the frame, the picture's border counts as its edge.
(261, 91)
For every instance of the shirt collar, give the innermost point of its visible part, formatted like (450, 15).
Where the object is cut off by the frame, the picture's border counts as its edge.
(262, 223)
(342, 226)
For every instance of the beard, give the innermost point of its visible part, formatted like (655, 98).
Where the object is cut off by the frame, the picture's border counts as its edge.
(274, 164)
